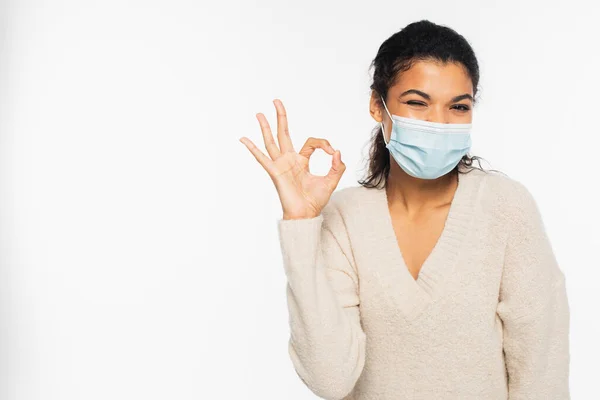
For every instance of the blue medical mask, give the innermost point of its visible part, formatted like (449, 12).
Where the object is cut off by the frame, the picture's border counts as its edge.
(424, 149)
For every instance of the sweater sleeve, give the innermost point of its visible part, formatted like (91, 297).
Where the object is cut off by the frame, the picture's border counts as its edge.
(534, 309)
(327, 343)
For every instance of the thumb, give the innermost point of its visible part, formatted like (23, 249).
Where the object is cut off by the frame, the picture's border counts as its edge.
(337, 169)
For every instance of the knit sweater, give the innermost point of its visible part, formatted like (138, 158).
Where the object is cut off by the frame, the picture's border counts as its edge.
(486, 318)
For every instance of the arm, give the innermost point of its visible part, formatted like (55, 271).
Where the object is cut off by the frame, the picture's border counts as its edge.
(327, 343)
(534, 308)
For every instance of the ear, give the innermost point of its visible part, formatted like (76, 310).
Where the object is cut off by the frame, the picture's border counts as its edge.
(375, 107)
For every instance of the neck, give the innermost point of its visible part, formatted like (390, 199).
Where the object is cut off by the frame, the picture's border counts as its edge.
(414, 195)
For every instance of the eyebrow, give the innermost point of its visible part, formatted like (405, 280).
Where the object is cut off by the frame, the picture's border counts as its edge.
(428, 97)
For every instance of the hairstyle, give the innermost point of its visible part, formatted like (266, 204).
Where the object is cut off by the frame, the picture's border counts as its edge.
(419, 41)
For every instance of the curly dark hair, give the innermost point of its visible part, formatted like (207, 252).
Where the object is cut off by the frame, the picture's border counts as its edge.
(419, 41)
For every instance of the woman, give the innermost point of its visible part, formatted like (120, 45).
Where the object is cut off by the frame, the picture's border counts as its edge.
(432, 279)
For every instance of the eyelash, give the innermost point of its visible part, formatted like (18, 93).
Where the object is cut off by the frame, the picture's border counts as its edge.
(464, 108)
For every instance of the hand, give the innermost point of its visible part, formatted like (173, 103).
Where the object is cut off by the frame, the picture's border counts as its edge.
(302, 194)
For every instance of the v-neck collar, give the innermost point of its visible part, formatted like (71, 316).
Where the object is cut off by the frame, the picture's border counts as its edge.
(413, 296)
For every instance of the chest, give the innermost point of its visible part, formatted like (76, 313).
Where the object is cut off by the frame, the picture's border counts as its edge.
(416, 237)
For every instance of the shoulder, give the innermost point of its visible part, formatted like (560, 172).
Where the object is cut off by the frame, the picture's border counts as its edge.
(351, 196)
(348, 203)
(507, 197)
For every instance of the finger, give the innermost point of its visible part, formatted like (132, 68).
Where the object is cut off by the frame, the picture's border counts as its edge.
(337, 169)
(312, 144)
(270, 144)
(262, 159)
(283, 134)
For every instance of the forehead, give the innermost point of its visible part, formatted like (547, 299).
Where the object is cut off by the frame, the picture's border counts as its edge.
(435, 78)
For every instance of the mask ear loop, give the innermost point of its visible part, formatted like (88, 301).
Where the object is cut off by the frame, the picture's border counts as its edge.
(381, 123)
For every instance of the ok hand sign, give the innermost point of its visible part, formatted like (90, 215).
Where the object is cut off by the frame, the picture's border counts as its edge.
(302, 194)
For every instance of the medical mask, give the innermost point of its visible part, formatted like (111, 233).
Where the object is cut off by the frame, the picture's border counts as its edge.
(424, 149)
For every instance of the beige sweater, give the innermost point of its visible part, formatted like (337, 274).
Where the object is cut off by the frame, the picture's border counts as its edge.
(487, 318)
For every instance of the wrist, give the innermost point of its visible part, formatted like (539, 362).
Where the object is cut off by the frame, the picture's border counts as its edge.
(305, 216)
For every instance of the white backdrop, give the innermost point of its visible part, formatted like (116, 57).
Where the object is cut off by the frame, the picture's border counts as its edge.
(139, 255)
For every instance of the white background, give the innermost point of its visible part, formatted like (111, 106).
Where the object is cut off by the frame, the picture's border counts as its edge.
(139, 255)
